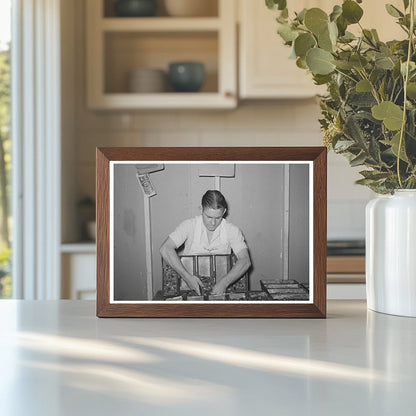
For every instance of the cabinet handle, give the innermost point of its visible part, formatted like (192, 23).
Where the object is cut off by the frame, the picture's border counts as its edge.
(229, 94)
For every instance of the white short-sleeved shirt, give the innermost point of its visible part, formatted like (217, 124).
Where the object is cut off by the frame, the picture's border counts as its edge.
(193, 233)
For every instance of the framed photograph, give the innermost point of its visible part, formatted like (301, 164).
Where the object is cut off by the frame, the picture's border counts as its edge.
(211, 232)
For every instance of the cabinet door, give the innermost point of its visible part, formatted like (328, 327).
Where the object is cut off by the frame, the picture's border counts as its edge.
(78, 276)
(266, 71)
(376, 17)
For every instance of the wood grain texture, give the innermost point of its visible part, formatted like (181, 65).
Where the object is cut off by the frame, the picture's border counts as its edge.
(319, 230)
(103, 231)
(209, 310)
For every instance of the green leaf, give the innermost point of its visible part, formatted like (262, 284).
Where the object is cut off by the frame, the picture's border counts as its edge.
(354, 132)
(276, 4)
(412, 67)
(394, 145)
(316, 20)
(358, 61)
(342, 25)
(301, 15)
(303, 43)
(384, 62)
(362, 99)
(336, 12)
(347, 37)
(382, 89)
(396, 70)
(363, 86)
(343, 145)
(359, 160)
(375, 35)
(374, 150)
(321, 79)
(281, 19)
(351, 11)
(325, 42)
(319, 61)
(374, 174)
(287, 33)
(367, 182)
(406, 4)
(411, 90)
(391, 114)
(333, 32)
(393, 11)
(344, 65)
(368, 36)
(301, 63)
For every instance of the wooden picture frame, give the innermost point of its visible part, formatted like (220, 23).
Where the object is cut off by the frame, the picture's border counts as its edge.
(113, 163)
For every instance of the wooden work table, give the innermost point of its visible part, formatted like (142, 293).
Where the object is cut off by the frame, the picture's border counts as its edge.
(57, 358)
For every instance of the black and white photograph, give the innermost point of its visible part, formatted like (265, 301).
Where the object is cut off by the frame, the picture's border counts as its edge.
(211, 231)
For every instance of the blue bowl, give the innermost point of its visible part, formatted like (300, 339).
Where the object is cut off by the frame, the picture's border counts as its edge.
(135, 8)
(186, 76)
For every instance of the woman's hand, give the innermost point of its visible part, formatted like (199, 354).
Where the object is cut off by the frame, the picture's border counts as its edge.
(194, 283)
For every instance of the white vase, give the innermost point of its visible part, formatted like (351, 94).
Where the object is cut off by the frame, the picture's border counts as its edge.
(391, 253)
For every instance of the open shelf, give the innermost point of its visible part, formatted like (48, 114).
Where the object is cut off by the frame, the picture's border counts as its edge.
(118, 45)
(160, 24)
(127, 51)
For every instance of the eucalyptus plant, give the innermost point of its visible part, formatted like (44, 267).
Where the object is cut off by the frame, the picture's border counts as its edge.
(369, 111)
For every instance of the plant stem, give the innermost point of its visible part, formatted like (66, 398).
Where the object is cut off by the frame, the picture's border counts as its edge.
(373, 88)
(405, 81)
(346, 75)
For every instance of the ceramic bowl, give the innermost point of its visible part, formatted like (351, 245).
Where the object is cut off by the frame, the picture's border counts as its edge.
(135, 8)
(191, 8)
(186, 76)
(147, 80)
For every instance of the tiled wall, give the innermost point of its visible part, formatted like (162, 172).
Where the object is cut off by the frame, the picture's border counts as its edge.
(251, 124)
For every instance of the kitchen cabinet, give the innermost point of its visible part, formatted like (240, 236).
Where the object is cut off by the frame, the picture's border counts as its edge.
(265, 70)
(78, 263)
(118, 45)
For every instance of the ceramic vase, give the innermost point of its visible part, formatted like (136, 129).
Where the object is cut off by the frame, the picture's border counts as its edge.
(391, 253)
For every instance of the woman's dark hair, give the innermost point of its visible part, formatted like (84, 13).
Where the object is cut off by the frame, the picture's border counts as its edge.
(214, 199)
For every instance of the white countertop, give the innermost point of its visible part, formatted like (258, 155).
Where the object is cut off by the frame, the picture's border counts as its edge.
(57, 358)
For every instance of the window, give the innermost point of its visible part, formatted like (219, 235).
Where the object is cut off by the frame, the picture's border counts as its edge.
(5, 147)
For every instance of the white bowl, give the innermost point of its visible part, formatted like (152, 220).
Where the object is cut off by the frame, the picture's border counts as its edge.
(191, 8)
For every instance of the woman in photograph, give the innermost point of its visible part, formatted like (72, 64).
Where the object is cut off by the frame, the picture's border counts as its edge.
(209, 233)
